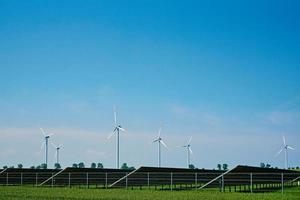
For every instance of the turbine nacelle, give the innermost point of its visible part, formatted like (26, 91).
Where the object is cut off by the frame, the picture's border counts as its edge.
(119, 128)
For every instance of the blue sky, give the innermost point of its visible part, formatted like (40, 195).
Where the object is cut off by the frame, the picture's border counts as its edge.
(226, 73)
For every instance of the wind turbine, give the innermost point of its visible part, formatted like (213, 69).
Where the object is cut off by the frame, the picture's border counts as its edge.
(285, 147)
(46, 137)
(189, 151)
(160, 142)
(57, 148)
(117, 130)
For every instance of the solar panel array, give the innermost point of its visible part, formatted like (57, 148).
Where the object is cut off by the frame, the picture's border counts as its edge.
(87, 177)
(241, 178)
(15, 176)
(247, 178)
(155, 177)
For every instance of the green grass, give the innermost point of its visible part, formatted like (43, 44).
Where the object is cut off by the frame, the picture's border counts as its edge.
(12, 192)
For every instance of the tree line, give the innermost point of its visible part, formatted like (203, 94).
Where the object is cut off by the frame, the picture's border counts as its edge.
(125, 166)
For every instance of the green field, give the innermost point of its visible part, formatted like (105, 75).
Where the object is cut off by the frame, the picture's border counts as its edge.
(12, 192)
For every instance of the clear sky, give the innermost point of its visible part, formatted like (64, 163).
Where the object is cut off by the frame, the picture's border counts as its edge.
(225, 72)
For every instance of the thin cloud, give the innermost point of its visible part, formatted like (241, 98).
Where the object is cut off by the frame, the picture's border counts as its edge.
(283, 118)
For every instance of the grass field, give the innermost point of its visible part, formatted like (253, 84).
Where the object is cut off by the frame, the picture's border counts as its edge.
(117, 194)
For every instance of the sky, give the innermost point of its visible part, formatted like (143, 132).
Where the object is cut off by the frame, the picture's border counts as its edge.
(224, 72)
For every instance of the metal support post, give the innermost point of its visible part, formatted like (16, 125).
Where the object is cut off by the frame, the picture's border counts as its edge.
(52, 182)
(21, 179)
(106, 180)
(223, 183)
(126, 181)
(69, 183)
(282, 183)
(7, 178)
(87, 180)
(171, 181)
(196, 180)
(251, 183)
(36, 179)
(148, 179)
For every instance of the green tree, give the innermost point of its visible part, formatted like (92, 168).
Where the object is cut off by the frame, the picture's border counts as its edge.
(38, 167)
(93, 165)
(262, 165)
(20, 166)
(100, 165)
(81, 165)
(191, 166)
(268, 166)
(5, 167)
(225, 166)
(124, 166)
(44, 166)
(32, 167)
(75, 165)
(57, 166)
(219, 167)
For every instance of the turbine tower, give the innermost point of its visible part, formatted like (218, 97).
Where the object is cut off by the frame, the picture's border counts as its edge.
(285, 147)
(57, 148)
(46, 137)
(189, 151)
(160, 142)
(117, 130)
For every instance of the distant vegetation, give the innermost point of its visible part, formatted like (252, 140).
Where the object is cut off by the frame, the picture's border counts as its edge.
(191, 166)
(263, 165)
(57, 166)
(222, 166)
(93, 165)
(124, 166)
(295, 168)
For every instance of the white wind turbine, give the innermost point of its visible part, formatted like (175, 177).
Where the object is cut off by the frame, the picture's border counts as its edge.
(117, 130)
(46, 137)
(189, 151)
(159, 141)
(57, 148)
(285, 147)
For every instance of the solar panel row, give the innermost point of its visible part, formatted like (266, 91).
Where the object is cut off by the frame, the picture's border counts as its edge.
(152, 177)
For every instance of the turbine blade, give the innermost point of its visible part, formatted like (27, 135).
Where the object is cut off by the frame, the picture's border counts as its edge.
(155, 140)
(190, 140)
(51, 134)
(163, 143)
(279, 152)
(53, 145)
(284, 140)
(122, 129)
(110, 135)
(159, 132)
(289, 147)
(43, 132)
(115, 115)
(190, 150)
(42, 146)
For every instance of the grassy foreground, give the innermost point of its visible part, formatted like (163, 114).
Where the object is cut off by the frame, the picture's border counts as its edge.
(118, 194)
